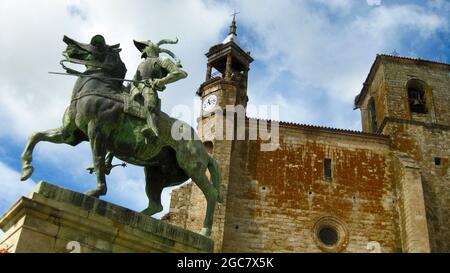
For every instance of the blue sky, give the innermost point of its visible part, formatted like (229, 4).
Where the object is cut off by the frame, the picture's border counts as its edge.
(311, 58)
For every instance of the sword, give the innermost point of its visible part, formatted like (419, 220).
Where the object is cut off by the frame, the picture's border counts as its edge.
(96, 77)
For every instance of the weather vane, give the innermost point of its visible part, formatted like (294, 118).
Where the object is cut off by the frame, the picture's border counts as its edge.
(233, 27)
(234, 14)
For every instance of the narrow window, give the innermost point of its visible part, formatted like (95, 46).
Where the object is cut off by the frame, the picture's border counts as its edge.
(327, 169)
(437, 161)
(372, 115)
(416, 96)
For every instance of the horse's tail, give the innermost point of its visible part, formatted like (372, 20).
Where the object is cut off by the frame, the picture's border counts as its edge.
(214, 171)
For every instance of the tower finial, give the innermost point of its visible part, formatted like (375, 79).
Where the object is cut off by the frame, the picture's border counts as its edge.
(233, 26)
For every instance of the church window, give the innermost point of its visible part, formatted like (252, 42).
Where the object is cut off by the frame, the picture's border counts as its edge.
(372, 115)
(437, 161)
(327, 169)
(416, 96)
(328, 235)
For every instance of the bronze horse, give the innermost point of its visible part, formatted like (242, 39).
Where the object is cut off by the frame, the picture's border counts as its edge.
(96, 114)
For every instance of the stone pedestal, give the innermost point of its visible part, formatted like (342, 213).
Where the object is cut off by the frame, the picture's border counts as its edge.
(53, 219)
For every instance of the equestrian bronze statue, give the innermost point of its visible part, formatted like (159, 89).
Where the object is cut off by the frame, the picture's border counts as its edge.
(126, 122)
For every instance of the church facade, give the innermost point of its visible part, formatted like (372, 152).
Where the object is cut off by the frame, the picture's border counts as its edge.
(383, 189)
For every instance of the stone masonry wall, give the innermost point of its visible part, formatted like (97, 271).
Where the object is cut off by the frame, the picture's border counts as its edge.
(397, 74)
(424, 137)
(376, 91)
(275, 198)
(424, 144)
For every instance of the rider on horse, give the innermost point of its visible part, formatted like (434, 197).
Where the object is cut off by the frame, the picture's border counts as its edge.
(156, 71)
(97, 114)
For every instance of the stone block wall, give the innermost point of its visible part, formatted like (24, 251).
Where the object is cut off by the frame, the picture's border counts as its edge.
(397, 73)
(277, 200)
(52, 219)
(426, 143)
(425, 137)
(412, 216)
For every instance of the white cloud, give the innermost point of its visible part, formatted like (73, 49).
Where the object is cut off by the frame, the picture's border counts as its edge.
(32, 100)
(337, 5)
(389, 21)
(373, 2)
(126, 187)
(443, 5)
(323, 54)
(11, 187)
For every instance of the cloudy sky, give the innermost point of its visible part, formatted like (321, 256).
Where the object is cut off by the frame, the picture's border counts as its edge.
(311, 58)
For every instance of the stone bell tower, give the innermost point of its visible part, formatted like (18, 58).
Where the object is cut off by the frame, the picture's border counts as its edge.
(224, 89)
(408, 99)
(226, 78)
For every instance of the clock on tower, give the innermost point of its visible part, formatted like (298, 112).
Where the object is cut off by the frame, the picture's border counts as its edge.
(209, 103)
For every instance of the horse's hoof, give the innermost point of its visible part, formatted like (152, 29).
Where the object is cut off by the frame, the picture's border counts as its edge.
(206, 232)
(95, 193)
(26, 172)
(150, 211)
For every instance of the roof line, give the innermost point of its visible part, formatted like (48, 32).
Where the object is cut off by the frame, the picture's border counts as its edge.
(375, 65)
(413, 59)
(322, 128)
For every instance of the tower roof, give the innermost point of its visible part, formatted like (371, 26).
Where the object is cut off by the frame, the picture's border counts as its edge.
(230, 44)
(399, 59)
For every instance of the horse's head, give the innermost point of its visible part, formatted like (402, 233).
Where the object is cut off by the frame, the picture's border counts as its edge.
(93, 54)
(97, 56)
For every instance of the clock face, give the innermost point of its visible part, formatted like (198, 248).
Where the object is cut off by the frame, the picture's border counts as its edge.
(209, 102)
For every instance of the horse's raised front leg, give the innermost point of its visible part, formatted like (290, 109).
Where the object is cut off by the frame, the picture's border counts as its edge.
(58, 135)
(98, 148)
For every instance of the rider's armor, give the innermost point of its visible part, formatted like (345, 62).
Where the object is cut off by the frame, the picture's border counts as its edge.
(149, 69)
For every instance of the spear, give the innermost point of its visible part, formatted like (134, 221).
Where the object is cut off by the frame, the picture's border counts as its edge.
(96, 77)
